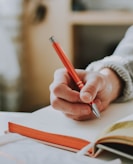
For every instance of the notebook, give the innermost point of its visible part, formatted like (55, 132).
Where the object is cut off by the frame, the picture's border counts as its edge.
(53, 128)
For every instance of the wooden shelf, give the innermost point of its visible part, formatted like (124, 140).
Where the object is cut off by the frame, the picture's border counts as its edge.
(101, 18)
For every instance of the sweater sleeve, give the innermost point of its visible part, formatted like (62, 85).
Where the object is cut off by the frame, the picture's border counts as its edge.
(121, 61)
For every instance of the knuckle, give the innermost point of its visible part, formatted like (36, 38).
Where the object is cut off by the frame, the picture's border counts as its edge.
(99, 78)
(55, 103)
(92, 88)
(54, 88)
(59, 72)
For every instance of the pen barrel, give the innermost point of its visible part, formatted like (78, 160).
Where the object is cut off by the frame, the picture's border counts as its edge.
(71, 71)
(67, 64)
(80, 84)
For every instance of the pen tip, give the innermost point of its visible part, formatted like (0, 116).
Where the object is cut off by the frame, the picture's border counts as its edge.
(52, 39)
(95, 110)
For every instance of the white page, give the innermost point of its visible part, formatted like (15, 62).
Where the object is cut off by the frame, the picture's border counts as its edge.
(128, 118)
(50, 120)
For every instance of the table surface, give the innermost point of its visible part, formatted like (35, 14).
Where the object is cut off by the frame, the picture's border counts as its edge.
(6, 116)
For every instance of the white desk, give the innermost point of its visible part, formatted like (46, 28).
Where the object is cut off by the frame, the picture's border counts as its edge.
(6, 116)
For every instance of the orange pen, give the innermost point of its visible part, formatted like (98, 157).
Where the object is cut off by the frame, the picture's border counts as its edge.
(72, 72)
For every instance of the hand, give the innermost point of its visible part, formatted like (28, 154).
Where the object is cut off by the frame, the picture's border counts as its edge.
(101, 87)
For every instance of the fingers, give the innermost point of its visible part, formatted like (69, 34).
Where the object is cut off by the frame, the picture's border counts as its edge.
(77, 111)
(80, 118)
(62, 87)
(62, 91)
(75, 104)
(95, 83)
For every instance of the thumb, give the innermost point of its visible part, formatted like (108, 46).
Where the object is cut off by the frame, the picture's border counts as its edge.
(88, 93)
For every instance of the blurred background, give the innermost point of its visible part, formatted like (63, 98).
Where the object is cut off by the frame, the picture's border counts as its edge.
(87, 30)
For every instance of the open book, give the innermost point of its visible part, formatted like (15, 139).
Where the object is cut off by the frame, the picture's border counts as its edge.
(54, 128)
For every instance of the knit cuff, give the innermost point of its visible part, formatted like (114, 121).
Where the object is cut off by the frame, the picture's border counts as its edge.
(119, 66)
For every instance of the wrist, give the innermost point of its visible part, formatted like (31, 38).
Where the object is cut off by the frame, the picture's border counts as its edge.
(115, 81)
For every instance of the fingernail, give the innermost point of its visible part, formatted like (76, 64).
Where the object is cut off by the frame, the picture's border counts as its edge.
(86, 97)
